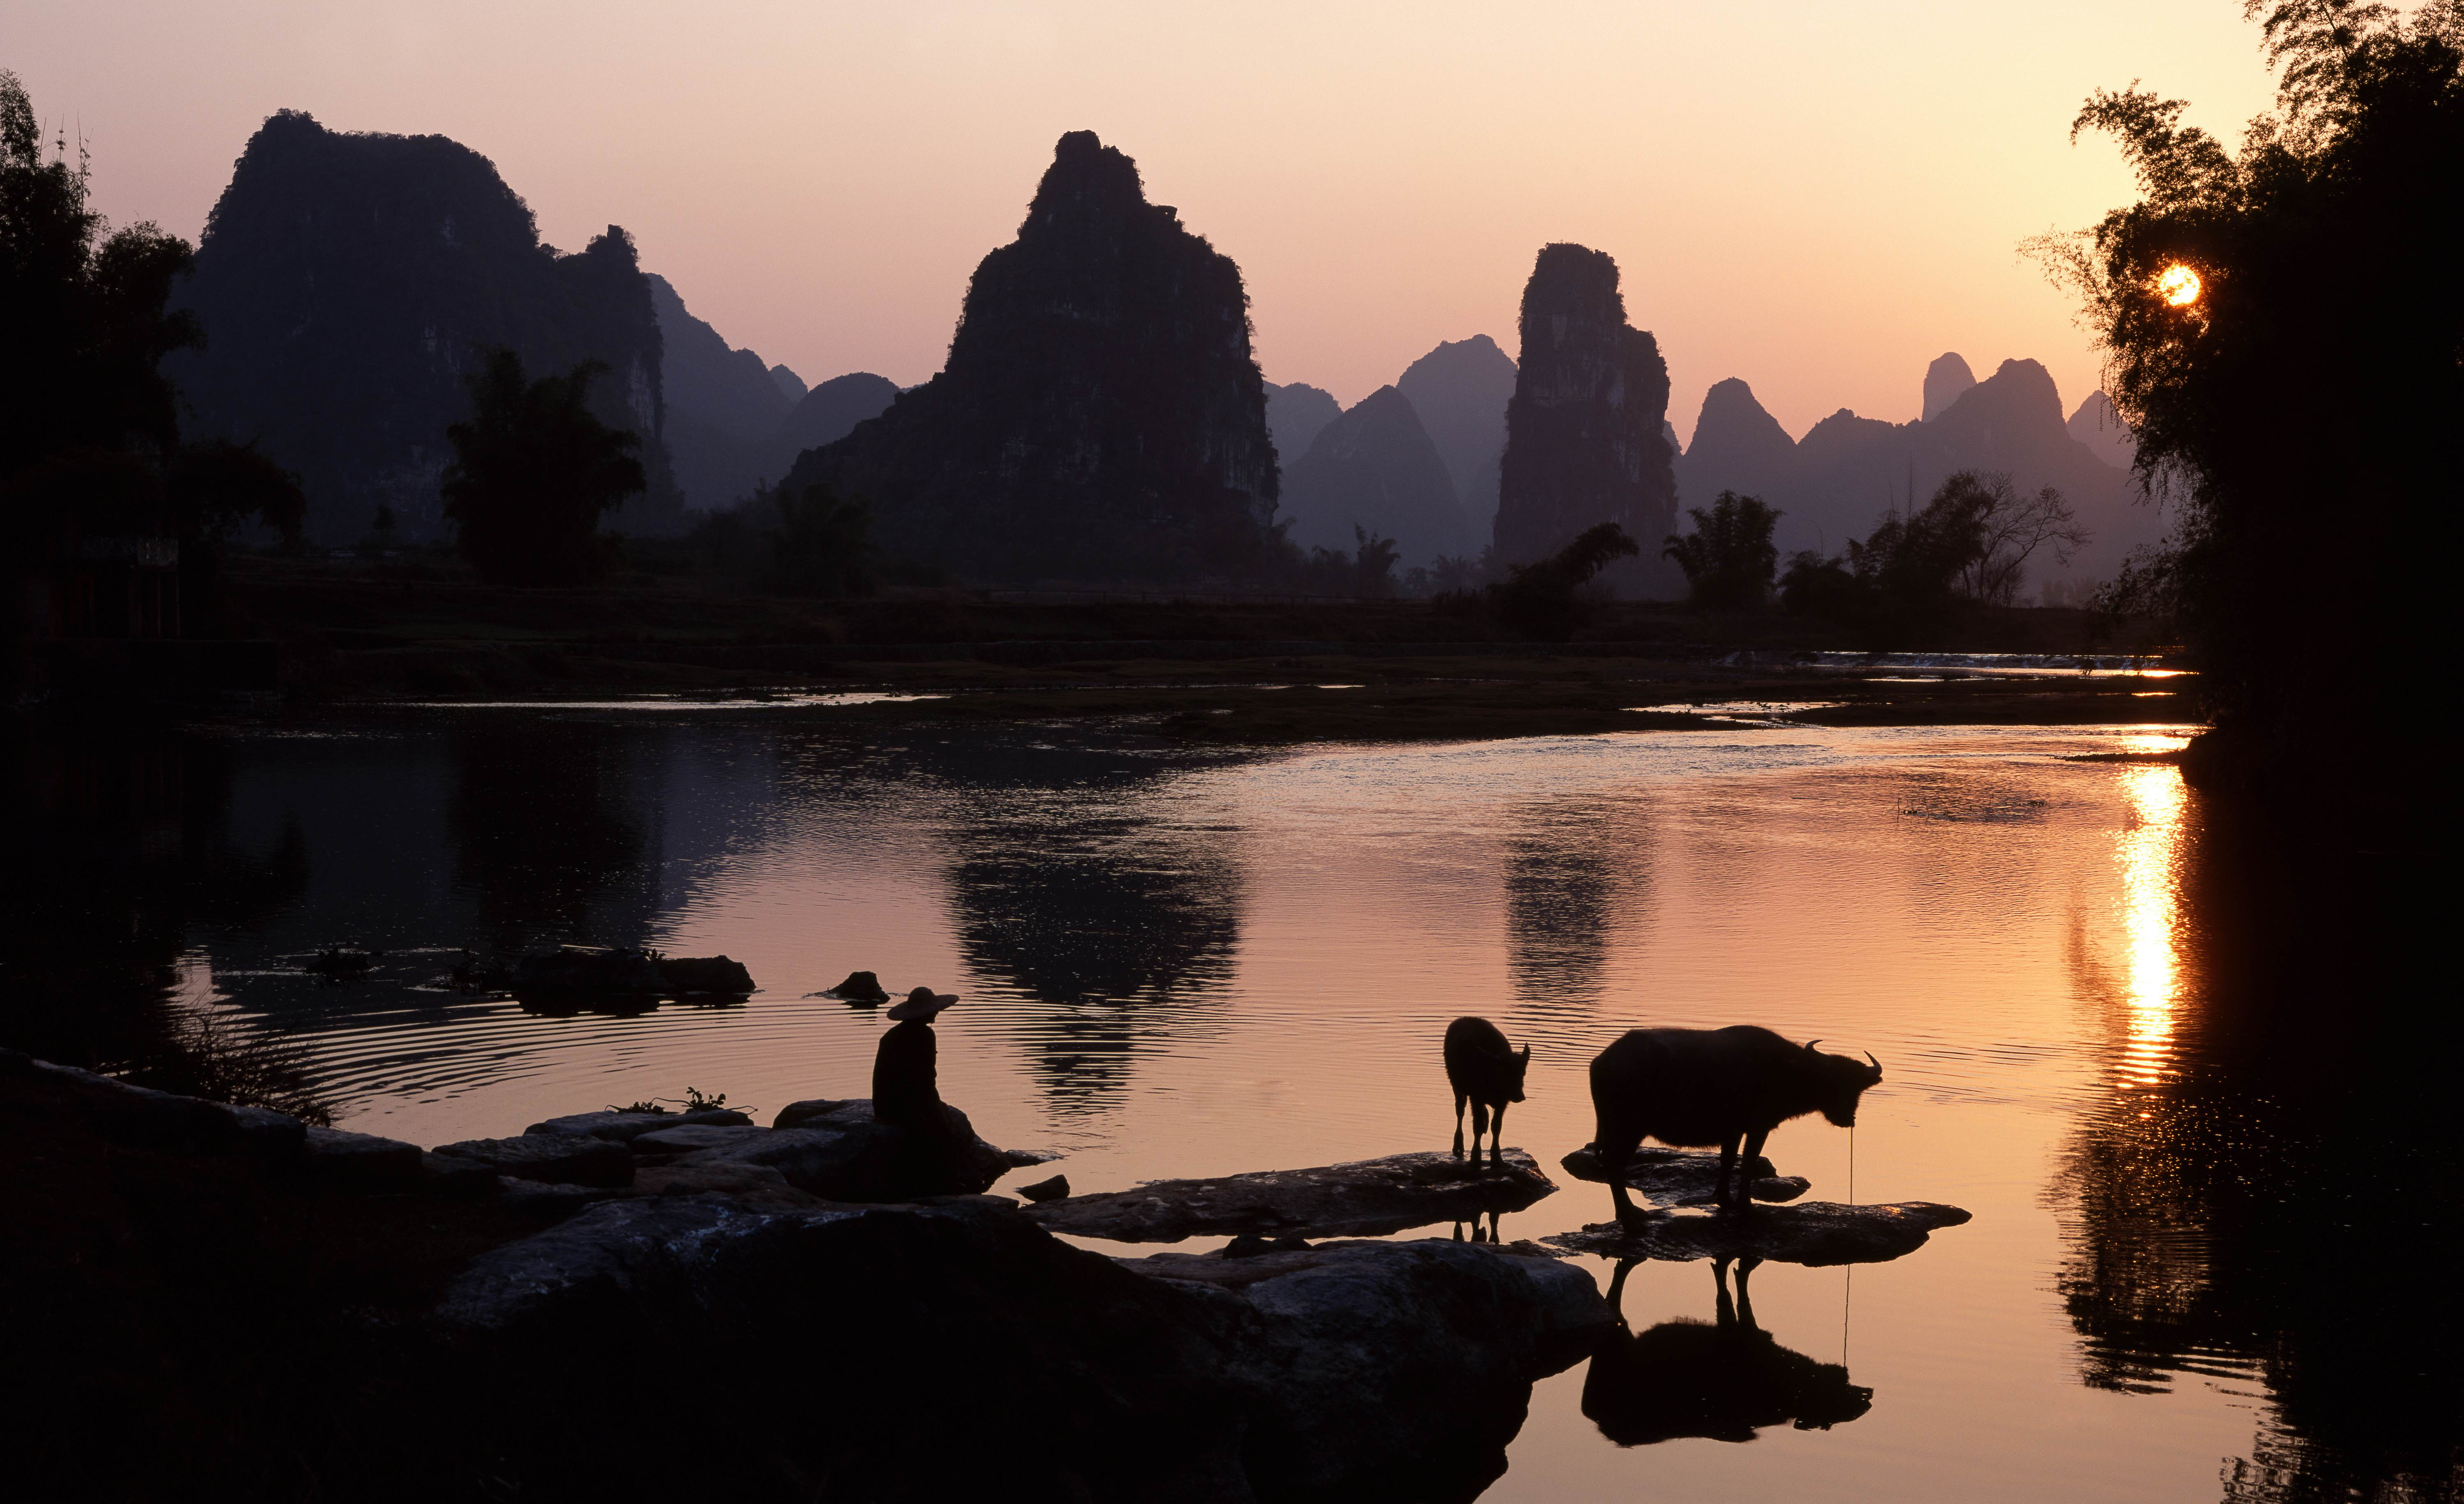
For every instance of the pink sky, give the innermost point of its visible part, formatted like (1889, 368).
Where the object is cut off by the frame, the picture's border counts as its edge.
(1818, 197)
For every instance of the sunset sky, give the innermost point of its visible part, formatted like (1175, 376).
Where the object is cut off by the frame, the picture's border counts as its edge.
(1816, 197)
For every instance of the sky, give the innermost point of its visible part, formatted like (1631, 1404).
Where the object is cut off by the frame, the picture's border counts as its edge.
(1816, 197)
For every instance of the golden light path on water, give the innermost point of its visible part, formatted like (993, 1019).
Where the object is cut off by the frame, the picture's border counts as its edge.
(2150, 858)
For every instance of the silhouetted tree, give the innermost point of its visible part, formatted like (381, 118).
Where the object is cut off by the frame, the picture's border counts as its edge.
(823, 546)
(2010, 527)
(1538, 601)
(534, 470)
(2301, 406)
(1728, 558)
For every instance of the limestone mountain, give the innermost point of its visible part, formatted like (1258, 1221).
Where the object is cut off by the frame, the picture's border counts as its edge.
(723, 405)
(2096, 425)
(1460, 389)
(1375, 467)
(1847, 473)
(1294, 415)
(1946, 382)
(829, 412)
(1583, 431)
(1100, 416)
(346, 283)
(789, 383)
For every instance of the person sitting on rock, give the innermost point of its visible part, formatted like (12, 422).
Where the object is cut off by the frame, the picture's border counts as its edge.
(906, 1094)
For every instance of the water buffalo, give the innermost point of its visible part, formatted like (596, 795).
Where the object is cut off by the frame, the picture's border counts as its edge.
(1725, 1381)
(1486, 1070)
(1694, 1088)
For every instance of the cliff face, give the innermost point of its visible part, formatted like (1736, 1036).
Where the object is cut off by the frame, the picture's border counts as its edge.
(1847, 473)
(346, 282)
(1460, 389)
(723, 405)
(1583, 433)
(1100, 416)
(1375, 468)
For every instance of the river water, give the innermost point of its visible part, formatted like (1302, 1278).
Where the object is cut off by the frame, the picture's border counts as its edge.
(1175, 963)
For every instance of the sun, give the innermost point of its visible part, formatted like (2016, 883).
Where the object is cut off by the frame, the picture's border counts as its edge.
(2179, 285)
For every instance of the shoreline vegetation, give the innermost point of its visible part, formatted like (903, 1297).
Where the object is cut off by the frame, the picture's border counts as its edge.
(1259, 670)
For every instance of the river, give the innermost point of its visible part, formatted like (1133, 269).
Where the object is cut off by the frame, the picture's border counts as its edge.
(1175, 963)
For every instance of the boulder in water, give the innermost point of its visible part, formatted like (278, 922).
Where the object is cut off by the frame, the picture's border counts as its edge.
(1814, 1232)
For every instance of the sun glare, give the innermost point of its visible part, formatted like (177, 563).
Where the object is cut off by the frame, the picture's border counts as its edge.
(2150, 860)
(2180, 285)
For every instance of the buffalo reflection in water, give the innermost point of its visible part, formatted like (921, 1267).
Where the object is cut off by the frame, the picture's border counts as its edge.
(1724, 1381)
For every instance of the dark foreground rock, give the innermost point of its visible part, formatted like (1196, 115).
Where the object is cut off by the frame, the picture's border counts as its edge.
(1357, 1372)
(213, 1324)
(623, 1128)
(1814, 1232)
(1361, 1199)
(559, 1159)
(1686, 1177)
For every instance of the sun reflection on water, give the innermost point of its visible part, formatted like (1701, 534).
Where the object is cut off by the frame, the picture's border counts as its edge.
(2151, 854)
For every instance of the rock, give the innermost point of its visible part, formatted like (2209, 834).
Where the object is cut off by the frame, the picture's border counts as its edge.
(276, 1137)
(1946, 382)
(1686, 1177)
(704, 974)
(860, 987)
(1052, 1190)
(1356, 1200)
(1100, 415)
(745, 1185)
(345, 1161)
(795, 1114)
(1347, 1371)
(1583, 441)
(689, 1137)
(452, 1175)
(556, 1159)
(623, 1128)
(588, 970)
(1815, 1232)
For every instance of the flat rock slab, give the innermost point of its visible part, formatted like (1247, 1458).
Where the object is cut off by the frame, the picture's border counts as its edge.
(555, 1159)
(623, 1128)
(349, 1160)
(1362, 1199)
(1815, 1232)
(1686, 1177)
(686, 1138)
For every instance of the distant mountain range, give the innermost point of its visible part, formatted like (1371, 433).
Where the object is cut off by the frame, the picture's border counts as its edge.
(1847, 473)
(1375, 468)
(734, 423)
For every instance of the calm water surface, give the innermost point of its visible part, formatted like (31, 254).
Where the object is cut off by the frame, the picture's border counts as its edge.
(1191, 964)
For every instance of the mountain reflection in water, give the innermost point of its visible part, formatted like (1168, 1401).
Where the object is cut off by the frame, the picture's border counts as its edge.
(1186, 964)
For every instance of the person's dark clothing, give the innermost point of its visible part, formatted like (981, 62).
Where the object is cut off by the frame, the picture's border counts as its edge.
(907, 1096)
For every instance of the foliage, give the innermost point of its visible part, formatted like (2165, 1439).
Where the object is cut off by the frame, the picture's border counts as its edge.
(1539, 601)
(1971, 542)
(2302, 409)
(534, 470)
(1728, 558)
(822, 546)
(204, 1057)
(83, 308)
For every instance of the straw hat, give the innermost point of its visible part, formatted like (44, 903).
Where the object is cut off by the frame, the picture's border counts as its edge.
(923, 1003)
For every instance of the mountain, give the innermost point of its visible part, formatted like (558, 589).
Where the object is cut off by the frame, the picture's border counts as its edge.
(346, 283)
(789, 383)
(723, 405)
(1946, 382)
(1460, 389)
(1294, 415)
(828, 413)
(1376, 466)
(1846, 472)
(1583, 431)
(2098, 427)
(1100, 417)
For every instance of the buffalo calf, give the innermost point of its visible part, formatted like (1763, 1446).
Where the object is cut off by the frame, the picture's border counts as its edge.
(1488, 1074)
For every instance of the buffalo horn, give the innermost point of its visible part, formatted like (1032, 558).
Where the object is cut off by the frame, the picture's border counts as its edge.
(1877, 1065)
(1811, 1043)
